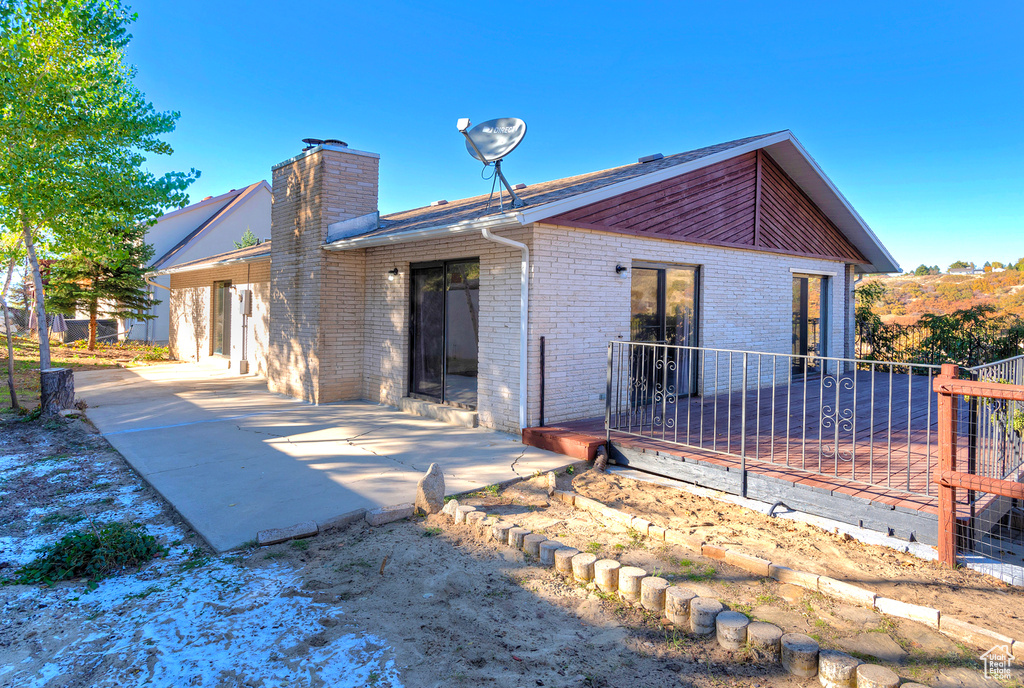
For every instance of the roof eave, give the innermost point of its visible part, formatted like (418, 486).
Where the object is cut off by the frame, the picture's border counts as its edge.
(503, 221)
(208, 266)
(794, 159)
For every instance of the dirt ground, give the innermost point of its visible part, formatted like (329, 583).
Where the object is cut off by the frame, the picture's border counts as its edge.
(414, 603)
(963, 593)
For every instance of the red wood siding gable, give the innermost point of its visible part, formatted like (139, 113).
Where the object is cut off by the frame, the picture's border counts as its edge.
(744, 202)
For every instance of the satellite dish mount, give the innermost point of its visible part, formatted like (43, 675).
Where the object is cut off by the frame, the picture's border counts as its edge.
(490, 142)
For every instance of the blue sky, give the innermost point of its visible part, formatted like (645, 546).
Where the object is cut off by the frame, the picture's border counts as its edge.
(915, 110)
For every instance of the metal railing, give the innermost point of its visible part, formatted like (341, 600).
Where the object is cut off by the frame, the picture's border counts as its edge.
(866, 421)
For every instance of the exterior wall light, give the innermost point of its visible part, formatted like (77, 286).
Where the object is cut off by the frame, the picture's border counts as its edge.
(622, 271)
(392, 274)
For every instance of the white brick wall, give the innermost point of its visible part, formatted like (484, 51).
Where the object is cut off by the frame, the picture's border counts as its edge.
(579, 304)
(386, 325)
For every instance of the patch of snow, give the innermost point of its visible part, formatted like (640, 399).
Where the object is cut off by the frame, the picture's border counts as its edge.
(10, 461)
(193, 627)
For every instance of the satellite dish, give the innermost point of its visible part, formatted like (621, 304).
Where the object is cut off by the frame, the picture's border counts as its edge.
(495, 139)
(490, 142)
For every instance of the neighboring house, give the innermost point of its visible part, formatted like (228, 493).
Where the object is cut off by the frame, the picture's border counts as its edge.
(742, 245)
(202, 229)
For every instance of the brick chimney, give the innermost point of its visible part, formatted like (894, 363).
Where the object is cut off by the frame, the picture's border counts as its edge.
(316, 296)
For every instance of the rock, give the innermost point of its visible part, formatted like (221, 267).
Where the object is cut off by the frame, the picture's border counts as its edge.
(461, 511)
(563, 560)
(652, 593)
(929, 641)
(732, 629)
(703, 611)
(474, 519)
(962, 677)
(387, 514)
(583, 567)
(449, 508)
(837, 669)
(532, 543)
(343, 520)
(430, 491)
(606, 573)
(677, 605)
(272, 536)
(764, 641)
(499, 531)
(516, 536)
(629, 582)
(552, 483)
(547, 552)
(874, 676)
(800, 654)
(877, 645)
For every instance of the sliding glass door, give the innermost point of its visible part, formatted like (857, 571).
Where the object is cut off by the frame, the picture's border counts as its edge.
(445, 331)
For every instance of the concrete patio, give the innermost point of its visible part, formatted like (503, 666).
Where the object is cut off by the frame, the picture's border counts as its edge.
(234, 459)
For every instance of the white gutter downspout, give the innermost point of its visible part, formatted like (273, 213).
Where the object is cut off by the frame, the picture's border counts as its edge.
(524, 303)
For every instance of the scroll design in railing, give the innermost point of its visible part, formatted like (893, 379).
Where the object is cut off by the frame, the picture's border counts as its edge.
(836, 419)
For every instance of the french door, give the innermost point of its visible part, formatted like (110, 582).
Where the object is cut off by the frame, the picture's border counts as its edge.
(810, 322)
(664, 307)
(444, 331)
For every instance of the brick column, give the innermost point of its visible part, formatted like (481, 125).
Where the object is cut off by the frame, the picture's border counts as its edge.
(316, 296)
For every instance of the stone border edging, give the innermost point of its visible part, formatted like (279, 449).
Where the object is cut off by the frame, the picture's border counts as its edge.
(846, 592)
(799, 654)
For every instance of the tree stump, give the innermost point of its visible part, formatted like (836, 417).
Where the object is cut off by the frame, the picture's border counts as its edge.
(56, 390)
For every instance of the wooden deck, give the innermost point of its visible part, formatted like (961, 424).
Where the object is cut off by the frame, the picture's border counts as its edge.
(880, 429)
(867, 445)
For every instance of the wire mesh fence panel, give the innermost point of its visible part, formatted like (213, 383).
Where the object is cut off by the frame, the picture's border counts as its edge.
(990, 526)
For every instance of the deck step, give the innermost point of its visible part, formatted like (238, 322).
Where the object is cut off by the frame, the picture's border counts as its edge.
(578, 445)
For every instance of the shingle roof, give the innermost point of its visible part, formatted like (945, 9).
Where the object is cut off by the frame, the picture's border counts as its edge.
(247, 254)
(538, 194)
(233, 202)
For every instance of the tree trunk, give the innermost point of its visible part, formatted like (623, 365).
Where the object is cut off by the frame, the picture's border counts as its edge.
(37, 280)
(57, 390)
(10, 344)
(10, 356)
(92, 325)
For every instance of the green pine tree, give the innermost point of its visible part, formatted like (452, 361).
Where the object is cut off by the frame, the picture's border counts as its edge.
(103, 275)
(248, 239)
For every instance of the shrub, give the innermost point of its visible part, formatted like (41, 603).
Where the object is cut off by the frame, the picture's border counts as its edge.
(94, 554)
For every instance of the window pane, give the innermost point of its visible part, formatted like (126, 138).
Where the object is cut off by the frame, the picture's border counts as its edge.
(462, 333)
(427, 331)
(681, 306)
(646, 322)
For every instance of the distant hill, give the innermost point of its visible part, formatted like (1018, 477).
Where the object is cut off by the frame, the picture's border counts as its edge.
(908, 297)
